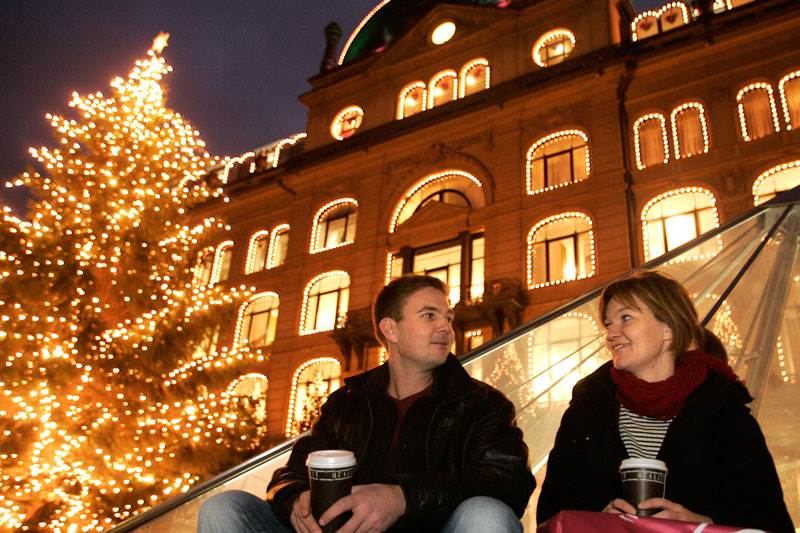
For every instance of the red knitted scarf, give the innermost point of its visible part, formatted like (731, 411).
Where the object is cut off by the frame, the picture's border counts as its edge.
(663, 400)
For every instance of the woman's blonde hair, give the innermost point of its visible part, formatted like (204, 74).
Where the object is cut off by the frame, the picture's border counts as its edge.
(666, 298)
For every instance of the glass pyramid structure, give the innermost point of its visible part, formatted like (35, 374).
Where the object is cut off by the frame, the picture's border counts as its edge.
(745, 279)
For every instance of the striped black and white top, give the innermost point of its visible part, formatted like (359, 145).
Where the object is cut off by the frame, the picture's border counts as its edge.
(641, 435)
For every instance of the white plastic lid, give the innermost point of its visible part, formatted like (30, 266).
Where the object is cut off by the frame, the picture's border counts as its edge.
(638, 462)
(330, 459)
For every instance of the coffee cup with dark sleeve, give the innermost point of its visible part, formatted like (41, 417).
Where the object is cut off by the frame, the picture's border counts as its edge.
(330, 474)
(643, 479)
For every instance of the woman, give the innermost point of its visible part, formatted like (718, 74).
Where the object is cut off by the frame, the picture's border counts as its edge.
(663, 398)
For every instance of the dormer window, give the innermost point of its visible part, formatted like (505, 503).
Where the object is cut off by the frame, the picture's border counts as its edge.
(443, 33)
(346, 122)
(553, 47)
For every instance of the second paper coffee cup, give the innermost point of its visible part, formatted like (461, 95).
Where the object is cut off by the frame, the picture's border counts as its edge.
(643, 479)
(330, 473)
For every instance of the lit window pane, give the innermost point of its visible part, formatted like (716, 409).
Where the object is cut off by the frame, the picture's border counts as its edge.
(326, 311)
(680, 229)
(281, 248)
(261, 254)
(225, 264)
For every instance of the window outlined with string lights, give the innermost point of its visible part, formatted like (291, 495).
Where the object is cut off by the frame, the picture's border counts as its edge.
(256, 324)
(325, 301)
(560, 248)
(557, 160)
(334, 225)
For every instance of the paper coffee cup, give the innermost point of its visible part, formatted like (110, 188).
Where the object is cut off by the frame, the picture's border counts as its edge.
(330, 473)
(643, 479)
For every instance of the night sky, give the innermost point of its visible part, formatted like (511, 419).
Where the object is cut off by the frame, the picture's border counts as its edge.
(239, 65)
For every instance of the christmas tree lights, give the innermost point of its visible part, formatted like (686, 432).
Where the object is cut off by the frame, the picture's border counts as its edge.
(108, 406)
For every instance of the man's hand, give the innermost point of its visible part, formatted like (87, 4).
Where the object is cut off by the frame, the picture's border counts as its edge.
(619, 506)
(375, 508)
(301, 517)
(674, 511)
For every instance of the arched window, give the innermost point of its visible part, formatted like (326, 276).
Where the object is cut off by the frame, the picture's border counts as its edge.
(676, 217)
(789, 89)
(346, 122)
(325, 301)
(650, 139)
(560, 248)
(553, 47)
(442, 88)
(257, 321)
(758, 116)
(777, 179)
(334, 225)
(474, 77)
(204, 268)
(312, 383)
(689, 130)
(650, 23)
(222, 262)
(250, 392)
(557, 160)
(257, 252)
(445, 196)
(447, 182)
(278, 246)
(413, 99)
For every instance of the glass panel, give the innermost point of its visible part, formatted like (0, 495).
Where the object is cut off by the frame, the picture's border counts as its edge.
(539, 264)
(690, 132)
(476, 274)
(651, 142)
(559, 169)
(579, 156)
(225, 264)
(261, 245)
(335, 231)
(350, 232)
(326, 311)
(680, 229)
(757, 113)
(281, 248)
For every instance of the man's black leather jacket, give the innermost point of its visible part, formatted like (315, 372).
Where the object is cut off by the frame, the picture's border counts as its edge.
(472, 447)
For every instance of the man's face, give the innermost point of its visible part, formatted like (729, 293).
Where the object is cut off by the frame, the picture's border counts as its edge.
(424, 334)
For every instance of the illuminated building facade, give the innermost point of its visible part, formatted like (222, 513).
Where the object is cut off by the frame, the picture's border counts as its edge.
(523, 151)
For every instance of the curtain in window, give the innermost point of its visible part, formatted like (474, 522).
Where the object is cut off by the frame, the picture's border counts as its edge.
(690, 132)
(792, 95)
(651, 142)
(757, 113)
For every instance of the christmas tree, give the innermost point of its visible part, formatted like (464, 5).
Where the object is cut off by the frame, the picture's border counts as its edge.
(109, 404)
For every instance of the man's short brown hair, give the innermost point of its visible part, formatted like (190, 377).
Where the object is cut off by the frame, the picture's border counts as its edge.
(390, 299)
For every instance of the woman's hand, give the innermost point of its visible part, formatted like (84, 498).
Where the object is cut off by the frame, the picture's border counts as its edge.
(673, 511)
(619, 506)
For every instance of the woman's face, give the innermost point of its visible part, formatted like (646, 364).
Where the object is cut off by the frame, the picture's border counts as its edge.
(638, 341)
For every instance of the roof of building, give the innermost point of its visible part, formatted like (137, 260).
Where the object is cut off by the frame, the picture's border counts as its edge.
(391, 19)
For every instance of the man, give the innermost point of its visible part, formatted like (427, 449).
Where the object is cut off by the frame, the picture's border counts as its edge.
(435, 449)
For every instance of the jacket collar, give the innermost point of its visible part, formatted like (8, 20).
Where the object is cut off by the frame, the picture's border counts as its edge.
(450, 381)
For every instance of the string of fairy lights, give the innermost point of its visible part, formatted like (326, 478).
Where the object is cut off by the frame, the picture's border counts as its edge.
(96, 304)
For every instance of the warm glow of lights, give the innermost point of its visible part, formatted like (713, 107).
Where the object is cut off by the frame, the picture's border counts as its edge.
(289, 141)
(443, 33)
(703, 127)
(232, 162)
(252, 249)
(105, 321)
(637, 140)
(240, 335)
(442, 88)
(668, 14)
(293, 393)
(427, 181)
(760, 191)
(220, 257)
(760, 86)
(470, 77)
(648, 253)
(407, 104)
(560, 34)
(346, 122)
(787, 112)
(272, 257)
(531, 241)
(541, 144)
(358, 29)
(344, 277)
(321, 216)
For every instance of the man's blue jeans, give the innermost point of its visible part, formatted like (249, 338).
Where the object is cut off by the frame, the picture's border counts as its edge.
(236, 511)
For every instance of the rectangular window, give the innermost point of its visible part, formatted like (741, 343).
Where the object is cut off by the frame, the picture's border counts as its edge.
(477, 280)
(262, 245)
(280, 249)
